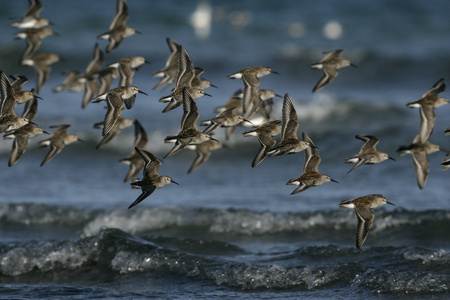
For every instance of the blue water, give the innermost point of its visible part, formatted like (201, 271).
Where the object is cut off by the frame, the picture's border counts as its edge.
(230, 230)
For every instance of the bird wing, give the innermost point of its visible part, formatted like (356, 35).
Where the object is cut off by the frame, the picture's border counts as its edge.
(365, 219)
(289, 118)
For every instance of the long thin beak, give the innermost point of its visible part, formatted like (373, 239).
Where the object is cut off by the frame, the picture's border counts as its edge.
(213, 139)
(314, 146)
(147, 62)
(390, 203)
(80, 140)
(353, 65)
(142, 93)
(248, 121)
(212, 85)
(391, 158)
(175, 182)
(45, 132)
(205, 94)
(331, 179)
(38, 97)
(274, 72)
(276, 95)
(138, 32)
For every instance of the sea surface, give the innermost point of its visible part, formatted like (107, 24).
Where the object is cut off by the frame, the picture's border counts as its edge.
(230, 230)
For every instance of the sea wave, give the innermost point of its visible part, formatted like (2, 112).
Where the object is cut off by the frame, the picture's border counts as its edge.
(307, 268)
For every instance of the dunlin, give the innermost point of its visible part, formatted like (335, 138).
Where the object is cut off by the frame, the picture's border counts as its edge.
(419, 153)
(329, 65)
(289, 141)
(203, 151)
(170, 71)
(41, 64)
(368, 153)
(265, 134)
(116, 98)
(135, 160)
(33, 38)
(8, 118)
(59, 139)
(311, 176)
(21, 95)
(22, 134)
(31, 19)
(126, 67)
(227, 118)
(429, 101)
(71, 83)
(258, 71)
(120, 124)
(362, 206)
(189, 134)
(186, 73)
(198, 82)
(118, 29)
(151, 179)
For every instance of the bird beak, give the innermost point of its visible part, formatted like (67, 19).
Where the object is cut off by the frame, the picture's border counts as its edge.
(80, 140)
(212, 85)
(142, 93)
(390, 203)
(175, 182)
(248, 121)
(276, 95)
(334, 180)
(205, 94)
(138, 32)
(391, 158)
(213, 139)
(45, 132)
(38, 97)
(275, 73)
(314, 146)
(353, 65)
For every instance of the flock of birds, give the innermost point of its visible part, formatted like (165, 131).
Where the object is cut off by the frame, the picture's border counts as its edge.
(251, 105)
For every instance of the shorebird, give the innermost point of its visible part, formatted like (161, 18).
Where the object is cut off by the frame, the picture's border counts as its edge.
(126, 67)
(329, 65)
(22, 134)
(198, 82)
(250, 76)
(311, 176)
(368, 153)
(118, 29)
(59, 139)
(71, 83)
(189, 134)
(170, 71)
(203, 151)
(120, 124)
(419, 153)
(31, 19)
(41, 64)
(429, 101)
(227, 118)
(362, 206)
(151, 179)
(289, 141)
(33, 38)
(135, 160)
(265, 134)
(186, 73)
(8, 118)
(234, 102)
(21, 95)
(116, 98)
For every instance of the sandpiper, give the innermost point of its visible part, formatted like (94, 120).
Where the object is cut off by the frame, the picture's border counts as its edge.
(429, 101)
(22, 134)
(311, 176)
(120, 124)
(115, 99)
(21, 95)
(419, 153)
(135, 160)
(368, 153)
(118, 29)
(151, 179)
(265, 134)
(198, 82)
(170, 71)
(71, 83)
(41, 64)
(186, 73)
(126, 67)
(203, 151)
(329, 65)
(227, 118)
(59, 139)
(31, 19)
(289, 141)
(189, 134)
(8, 118)
(362, 206)
(258, 71)
(33, 38)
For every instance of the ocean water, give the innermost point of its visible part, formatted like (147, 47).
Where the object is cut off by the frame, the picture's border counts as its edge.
(230, 230)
